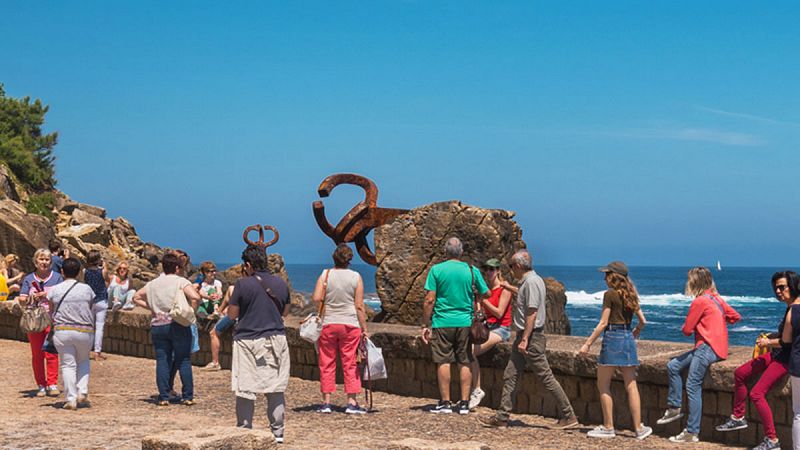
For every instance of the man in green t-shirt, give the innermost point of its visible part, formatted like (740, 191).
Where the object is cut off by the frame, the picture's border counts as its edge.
(451, 302)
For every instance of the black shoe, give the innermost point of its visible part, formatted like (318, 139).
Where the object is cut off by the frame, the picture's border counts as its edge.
(462, 407)
(443, 407)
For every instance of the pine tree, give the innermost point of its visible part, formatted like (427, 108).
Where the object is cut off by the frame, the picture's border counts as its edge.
(23, 147)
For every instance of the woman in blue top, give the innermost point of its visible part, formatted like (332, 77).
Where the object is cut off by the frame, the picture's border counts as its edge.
(97, 278)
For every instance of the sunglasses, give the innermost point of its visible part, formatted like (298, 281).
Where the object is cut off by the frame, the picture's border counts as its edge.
(781, 287)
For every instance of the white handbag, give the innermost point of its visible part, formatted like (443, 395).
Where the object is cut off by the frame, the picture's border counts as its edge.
(181, 311)
(311, 326)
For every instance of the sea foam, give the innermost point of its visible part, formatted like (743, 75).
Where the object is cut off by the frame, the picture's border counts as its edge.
(584, 298)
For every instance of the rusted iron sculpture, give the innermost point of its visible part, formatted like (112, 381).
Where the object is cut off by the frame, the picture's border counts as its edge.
(360, 220)
(260, 229)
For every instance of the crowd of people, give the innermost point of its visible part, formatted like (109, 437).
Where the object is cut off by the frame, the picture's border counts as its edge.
(255, 305)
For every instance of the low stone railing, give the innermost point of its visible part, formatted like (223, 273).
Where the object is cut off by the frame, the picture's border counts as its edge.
(412, 373)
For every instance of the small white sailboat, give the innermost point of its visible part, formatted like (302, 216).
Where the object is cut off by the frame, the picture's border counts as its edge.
(719, 266)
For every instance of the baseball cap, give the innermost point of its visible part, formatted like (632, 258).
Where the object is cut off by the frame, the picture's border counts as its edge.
(618, 267)
(494, 263)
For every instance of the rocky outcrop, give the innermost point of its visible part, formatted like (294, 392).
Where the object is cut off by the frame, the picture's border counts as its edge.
(8, 186)
(22, 233)
(82, 228)
(408, 246)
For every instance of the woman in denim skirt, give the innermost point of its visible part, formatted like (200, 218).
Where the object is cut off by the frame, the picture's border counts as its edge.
(620, 303)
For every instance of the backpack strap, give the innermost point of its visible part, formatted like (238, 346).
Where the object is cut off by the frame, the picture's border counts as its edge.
(272, 296)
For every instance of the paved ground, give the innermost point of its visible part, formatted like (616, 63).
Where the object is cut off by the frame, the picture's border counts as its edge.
(122, 413)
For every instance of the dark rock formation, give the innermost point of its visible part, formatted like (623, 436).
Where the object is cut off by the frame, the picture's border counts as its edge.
(411, 244)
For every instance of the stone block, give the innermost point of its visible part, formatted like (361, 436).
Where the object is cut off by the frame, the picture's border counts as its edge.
(709, 403)
(781, 411)
(594, 412)
(724, 404)
(522, 405)
(422, 444)
(213, 438)
(784, 433)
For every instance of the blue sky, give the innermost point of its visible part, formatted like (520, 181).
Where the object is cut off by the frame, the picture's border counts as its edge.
(660, 133)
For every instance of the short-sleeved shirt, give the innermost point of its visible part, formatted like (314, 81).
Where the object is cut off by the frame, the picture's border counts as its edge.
(30, 282)
(161, 294)
(259, 316)
(55, 263)
(619, 313)
(452, 281)
(532, 294)
(75, 311)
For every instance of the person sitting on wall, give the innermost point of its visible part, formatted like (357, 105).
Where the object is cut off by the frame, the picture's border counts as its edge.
(210, 289)
(498, 318)
(451, 303)
(223, 324)
(772, 366)
(706, 319)
(528, 318)
(260, 363)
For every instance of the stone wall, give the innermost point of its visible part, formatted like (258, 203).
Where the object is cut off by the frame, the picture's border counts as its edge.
(412, 373)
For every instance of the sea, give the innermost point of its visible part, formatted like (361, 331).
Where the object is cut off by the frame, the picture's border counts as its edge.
(747, 289)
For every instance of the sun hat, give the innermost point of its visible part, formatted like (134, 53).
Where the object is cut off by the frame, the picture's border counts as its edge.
(618, 267)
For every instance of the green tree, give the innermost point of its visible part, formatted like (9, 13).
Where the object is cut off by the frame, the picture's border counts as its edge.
(23, 147)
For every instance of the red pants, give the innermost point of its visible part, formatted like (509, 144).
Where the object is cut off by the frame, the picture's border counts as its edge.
(38, 359)
(771, 371)
(343, 339)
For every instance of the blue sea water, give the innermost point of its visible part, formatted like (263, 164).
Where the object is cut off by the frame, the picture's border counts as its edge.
(747, 289)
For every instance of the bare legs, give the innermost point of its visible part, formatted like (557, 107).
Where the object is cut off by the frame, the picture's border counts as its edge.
(604, 374)
(465, 379)
(478, 350)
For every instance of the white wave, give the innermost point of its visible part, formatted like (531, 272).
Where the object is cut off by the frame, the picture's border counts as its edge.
(596, 298)
(743, 329)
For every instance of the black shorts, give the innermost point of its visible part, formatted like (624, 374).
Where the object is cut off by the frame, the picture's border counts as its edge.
(451, 345)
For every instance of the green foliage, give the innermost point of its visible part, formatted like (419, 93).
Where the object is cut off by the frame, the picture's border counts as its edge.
(42, 204)
(23, 147)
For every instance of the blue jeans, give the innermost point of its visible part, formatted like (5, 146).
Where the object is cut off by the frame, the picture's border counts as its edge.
(173, 344)
(698, 361)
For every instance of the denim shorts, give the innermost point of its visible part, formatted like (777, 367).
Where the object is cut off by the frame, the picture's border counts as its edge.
(503, 332)
(223, 324)
(619, 347)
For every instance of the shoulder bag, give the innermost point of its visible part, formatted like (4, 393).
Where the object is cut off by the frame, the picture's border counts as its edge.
(182, 312)
(48, 346)
(311, 326)
(35, 319)
(479, 330)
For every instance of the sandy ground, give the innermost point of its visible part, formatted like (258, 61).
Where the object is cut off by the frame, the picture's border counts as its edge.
(122, 412)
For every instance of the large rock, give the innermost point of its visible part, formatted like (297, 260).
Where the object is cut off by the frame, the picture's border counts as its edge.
(211, 438)
(407, 247)
(22, 233)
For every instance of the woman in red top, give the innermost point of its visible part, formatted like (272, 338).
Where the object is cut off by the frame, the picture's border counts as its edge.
(706, 319)
(498, 317)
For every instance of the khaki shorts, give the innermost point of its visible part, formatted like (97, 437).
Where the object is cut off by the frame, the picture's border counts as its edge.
(451, 345)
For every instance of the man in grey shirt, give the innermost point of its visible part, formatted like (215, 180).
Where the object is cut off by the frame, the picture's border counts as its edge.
(528, 316)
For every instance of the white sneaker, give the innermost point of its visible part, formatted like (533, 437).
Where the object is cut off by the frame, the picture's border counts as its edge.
(643, 432)
(685, 437)
(671, 415)
(279, 439)
(476, 397)
(41, 392)
(602, 433)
